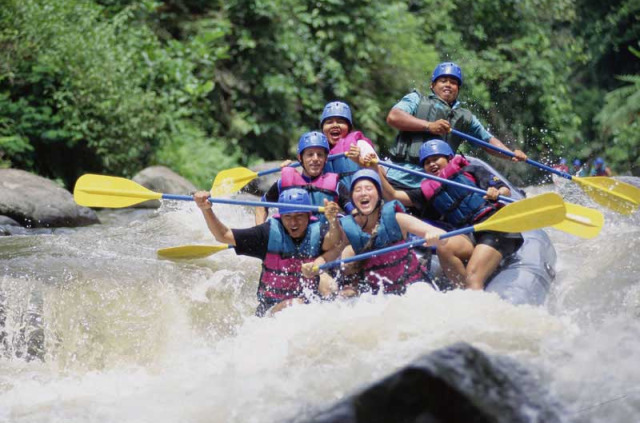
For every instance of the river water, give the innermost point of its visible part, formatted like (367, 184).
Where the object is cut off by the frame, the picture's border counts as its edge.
(128, 337)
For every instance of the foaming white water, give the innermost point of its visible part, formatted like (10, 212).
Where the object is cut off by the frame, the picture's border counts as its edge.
(302, 359)
(133, 338)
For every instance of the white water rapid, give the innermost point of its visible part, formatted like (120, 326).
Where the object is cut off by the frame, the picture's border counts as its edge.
(129, 337)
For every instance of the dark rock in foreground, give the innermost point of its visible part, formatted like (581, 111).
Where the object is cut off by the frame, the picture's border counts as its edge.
(456, 384)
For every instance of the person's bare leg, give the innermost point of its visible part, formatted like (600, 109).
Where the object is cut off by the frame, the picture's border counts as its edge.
(453, 253)
(483, 262)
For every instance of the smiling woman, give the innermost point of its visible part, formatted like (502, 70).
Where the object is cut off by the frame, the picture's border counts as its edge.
(375, 226)
(336, 123)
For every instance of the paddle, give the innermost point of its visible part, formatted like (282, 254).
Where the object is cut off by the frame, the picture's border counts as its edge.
(523, 215)
(618, 196)
(115, 192)
(579, 220)
(233, 180)
(192, 251)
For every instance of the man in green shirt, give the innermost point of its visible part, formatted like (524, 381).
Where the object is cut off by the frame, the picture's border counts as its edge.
(420, 118)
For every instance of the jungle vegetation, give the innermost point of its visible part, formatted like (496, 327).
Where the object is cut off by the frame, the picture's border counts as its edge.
(113, 86)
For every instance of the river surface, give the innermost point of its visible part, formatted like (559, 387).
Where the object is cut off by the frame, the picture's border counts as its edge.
(129, 337)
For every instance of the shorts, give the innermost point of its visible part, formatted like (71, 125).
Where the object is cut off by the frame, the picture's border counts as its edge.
(505, 243)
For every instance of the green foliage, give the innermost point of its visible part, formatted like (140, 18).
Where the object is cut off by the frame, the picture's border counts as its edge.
(115, 85)
(193, 155)
(619, 126)
(88, 87)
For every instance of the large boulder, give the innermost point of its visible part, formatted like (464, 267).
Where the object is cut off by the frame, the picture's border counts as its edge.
(456, 384)
(262, 184)
(37, 202)
(163, 180)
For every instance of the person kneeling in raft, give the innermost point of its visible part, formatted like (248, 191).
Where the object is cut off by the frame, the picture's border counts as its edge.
(373, 226)
(459, 207)
(283, 243)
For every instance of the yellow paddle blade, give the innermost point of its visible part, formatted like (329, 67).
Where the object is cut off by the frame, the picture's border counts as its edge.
(230, 181)
(526, 215)
(581, 221)
(191, 251)
(110, 191)
(617, 195)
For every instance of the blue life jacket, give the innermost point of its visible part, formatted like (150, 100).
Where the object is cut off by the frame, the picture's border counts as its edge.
(281, 276)
(392, 271)
(460, 206)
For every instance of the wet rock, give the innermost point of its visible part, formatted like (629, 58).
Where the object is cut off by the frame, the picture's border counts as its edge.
(8, 225)
(37, 202)
(456, 384)
(262, 184)
(163, 180)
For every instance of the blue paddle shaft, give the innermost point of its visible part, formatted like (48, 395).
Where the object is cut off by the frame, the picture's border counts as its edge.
(509, 153)
(385, 250)
(243, 202)
(442, 180)
(296, 164)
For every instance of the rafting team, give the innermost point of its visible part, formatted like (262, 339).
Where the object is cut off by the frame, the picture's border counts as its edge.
(368, 206)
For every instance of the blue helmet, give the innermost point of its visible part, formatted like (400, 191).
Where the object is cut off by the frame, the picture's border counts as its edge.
(336, 109)
(434, 148)
(313, 139)
(294, 196)
(370, 174)
(577, 162)
(447, 69)
(563, 161)
(599, 161)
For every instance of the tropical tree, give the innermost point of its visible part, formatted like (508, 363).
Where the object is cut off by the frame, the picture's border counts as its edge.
(619, 124)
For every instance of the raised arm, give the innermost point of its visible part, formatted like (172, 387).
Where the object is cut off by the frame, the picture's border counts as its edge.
(334, 237)
(388, 191)
(219, 230)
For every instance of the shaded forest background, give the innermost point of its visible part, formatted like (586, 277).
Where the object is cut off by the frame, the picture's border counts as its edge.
(112, 86)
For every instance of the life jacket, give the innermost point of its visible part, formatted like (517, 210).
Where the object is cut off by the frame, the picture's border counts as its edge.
(324, 186)
(392, 271)
(281, 276)
(344, 166)
(457, 205)
(407, 146)
(599, 172)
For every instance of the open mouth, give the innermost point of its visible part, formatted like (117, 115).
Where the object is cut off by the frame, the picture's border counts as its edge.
(365, 202)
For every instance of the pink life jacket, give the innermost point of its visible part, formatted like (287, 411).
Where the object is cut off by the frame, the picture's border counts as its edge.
(352, 138)
(324, 186)
(344, 166)
(281, 276)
